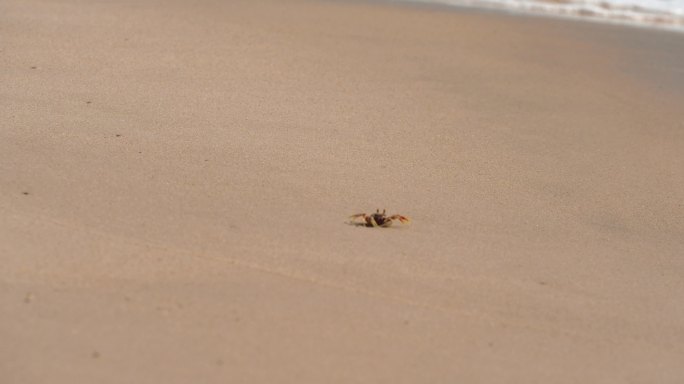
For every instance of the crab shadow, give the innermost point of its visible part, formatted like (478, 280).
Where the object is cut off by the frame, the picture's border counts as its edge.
(364, 225)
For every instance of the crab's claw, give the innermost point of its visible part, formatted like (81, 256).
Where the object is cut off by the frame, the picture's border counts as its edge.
(357, 216)
(402, 219)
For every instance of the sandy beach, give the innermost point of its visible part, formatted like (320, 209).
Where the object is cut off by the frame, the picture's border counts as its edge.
(175, 178)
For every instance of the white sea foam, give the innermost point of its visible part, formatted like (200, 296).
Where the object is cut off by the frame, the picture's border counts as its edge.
(651, 13)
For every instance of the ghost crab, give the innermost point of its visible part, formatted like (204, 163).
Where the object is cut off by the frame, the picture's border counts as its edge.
(377, 219)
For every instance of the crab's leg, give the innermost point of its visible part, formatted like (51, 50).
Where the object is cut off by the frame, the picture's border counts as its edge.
(402, 219)
(387, 223)
(363, 221)
(372, 221)
(363, 216)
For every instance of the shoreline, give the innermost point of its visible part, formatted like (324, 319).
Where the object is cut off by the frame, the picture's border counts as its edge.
(517, 12)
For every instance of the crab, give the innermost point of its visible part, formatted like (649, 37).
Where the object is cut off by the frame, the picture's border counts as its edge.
(377, 219)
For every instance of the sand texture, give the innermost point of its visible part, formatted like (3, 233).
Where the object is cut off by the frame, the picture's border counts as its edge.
(175, 178)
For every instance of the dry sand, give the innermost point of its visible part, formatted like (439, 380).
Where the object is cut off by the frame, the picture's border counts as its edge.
(175, 177)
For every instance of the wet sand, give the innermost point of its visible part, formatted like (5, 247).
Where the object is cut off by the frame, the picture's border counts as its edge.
(175, 180)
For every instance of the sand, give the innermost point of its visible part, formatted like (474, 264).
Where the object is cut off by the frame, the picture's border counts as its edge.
(175, 178)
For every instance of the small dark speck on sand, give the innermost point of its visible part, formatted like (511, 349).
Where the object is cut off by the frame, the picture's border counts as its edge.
(219, 362)
(34, 67)
(543, 283)
(89, 102)
(25, 193)
(95, 355)
(118, 135)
